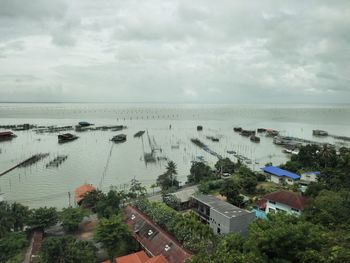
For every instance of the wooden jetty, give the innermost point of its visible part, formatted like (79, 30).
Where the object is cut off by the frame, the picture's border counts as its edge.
(57, 161)
(31, 160)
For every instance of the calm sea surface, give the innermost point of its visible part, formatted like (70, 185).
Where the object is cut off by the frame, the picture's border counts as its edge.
(94, 159)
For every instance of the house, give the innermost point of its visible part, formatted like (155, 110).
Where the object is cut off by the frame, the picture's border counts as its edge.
(307, 178)
(222, 216)
(280, 176)
(139, 257)
(81, 191)
(152, 238)
(282, 201)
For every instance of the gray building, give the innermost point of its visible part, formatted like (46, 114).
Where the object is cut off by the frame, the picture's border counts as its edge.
(221, 216)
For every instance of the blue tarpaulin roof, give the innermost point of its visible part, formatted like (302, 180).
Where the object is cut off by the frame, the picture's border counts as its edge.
(280, 172)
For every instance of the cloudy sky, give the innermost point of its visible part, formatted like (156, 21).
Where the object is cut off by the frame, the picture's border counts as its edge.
(200, 51)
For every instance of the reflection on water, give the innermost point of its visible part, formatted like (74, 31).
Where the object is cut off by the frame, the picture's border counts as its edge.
(94, 159)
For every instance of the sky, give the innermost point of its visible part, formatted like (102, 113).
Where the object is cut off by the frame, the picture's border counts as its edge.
(174, 51)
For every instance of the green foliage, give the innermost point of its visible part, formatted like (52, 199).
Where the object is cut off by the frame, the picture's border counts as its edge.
(136, 190)
(66, 250)
(13, 217)
(225, 166)
(330, 209)
(109, 204)
(285, 238)
(11, 245)
(194, 235)
(105, 205)
(167, 181)
(91, 199)
(231, 190)
(247, 179)
(113, 233)
(206, 187)
(71, 218)
(43, 217)
(172, 201)
(198, 172)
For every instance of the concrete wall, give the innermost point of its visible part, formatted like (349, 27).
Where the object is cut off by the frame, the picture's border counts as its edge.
(270, 207)
(220, 221)
(309, 177)
(240, 224)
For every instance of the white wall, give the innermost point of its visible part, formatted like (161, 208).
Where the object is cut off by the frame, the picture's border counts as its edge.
(276, 179)
(283, 207)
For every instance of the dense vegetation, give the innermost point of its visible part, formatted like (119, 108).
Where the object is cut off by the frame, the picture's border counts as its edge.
(321, 234)
(194, 235)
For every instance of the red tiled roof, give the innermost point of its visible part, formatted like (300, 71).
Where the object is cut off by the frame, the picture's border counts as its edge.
(138, 257)
(153, 238)
(288, 198)
(82, 190)
(261, 204)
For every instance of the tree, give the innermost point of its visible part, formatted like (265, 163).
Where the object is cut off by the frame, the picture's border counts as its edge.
(114, 234)
(43, 217)
(167, 181)
(286, 238)
(230, 189)
(109, 204)
(6, 219)
(225, 165)
(91, 199)
(20, 214)
(198, 172)
(136, 190)
(66, 249)
(330, 209)
(11, 244)
(71, 218)
(172, 201)
(247, 179)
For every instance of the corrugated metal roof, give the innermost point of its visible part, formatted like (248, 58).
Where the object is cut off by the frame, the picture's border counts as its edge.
(153, 238)
(280, 172)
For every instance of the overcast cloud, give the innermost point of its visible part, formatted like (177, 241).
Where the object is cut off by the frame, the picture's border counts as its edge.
(175, 51)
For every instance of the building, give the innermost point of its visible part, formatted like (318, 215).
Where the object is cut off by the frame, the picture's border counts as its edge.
(282, 201)
(81, 191)
(139, 257)
(153, 239)
(307, 178)
(280, 176)
(222, 216)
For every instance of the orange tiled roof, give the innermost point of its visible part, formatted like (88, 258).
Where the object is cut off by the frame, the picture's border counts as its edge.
(82, 190)
(157, 259)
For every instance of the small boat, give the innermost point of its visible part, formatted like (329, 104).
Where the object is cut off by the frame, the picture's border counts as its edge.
(119, 138)
(260, 130)
(139, 134)
(231, 152)
(271, 132)
(254, 138)
(117, 128)
(237, 129)
(67, 137)
(319, 133)
(247, 133)
(84, 124)
(199, 128)
(4, 136)
(214, 139)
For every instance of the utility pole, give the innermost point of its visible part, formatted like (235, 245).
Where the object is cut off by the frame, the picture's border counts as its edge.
(69, 199)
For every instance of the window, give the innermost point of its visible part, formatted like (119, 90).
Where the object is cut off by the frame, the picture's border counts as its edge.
(272, 202)
(295, 210)
(219, 230)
